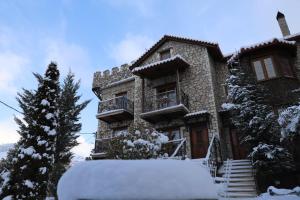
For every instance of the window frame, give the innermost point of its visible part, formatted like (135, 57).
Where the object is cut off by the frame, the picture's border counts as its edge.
(264, 68)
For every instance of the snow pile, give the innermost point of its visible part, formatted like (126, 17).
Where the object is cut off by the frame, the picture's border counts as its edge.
(136, 179)
(280, 194)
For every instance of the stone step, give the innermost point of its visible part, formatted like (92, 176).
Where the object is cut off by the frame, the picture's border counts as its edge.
(238, 164)
(242, 179)
(241, 167)
(237, 161)
(240, 194)
(234, 171)
(242, 184)
(240, 190)
(240, 175)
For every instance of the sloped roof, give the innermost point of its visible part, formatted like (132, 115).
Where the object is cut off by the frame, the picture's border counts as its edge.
(213, 47)
(137, 69)
(248, 49)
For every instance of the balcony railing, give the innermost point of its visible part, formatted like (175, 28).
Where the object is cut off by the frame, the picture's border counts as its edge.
(102, 145)
(165, 100)
(116, 109)
(115, 104)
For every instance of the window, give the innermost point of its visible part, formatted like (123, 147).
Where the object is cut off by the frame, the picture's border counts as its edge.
(286, 67)
(165, 54)
(259, 70)
(264, 68)
(166, 96)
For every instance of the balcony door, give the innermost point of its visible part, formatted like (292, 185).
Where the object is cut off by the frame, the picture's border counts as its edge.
(121, 99)
(166, 96)
(199, 141)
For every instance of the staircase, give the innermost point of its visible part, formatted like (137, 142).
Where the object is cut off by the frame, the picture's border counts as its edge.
(238, 178)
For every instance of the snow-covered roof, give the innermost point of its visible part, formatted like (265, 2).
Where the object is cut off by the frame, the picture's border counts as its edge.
(211, 45)
(137, 179)
(141, 68)
(259, 45)
(288, 37)
(194, 114)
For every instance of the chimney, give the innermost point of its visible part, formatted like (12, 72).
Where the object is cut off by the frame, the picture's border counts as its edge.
(282, 24)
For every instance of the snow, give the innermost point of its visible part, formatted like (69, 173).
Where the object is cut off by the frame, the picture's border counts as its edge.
(28, 151)
(196, 113)
(137, 69)
(28, 183)
(43, 170)
(49, 115)
(289, 120)
(44, 102)
(136, 179)
(257, 45)
(280, 194)
(110, 111)
(52, 132)
(7, 198)
(228, 106)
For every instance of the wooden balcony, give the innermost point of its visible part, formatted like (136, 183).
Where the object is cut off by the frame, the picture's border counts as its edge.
(116, 109)
(164, 106)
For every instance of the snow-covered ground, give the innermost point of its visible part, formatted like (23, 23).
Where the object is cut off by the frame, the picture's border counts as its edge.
(137, 179)
(280, 194)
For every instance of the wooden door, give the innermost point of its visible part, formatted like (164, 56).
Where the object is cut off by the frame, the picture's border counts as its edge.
(199, 141)
(238, 150)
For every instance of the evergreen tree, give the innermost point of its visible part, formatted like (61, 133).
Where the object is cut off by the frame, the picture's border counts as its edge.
(31, 167)
(67, 126)
(256, 122)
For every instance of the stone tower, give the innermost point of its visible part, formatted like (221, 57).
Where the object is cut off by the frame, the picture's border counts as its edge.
(283, 24)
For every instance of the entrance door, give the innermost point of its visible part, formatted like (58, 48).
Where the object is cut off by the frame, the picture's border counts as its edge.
(238, 150)
(199, 141)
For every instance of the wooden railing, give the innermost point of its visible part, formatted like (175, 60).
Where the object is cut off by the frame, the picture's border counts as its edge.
(115, 104)
(165, 100)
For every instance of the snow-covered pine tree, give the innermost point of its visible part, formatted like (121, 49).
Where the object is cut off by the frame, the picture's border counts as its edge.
(31, 167)
(67, 127)
(255, 120)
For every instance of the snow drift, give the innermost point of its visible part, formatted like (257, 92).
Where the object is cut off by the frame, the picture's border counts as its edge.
(137, 179)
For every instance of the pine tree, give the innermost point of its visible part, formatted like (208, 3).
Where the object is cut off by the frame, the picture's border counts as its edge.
(67, 127)
(30, 171)
(256, 122)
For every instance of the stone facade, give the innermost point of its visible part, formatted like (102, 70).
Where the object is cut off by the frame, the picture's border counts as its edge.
(203, 82)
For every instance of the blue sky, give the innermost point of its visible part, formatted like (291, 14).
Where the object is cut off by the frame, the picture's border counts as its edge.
(88, 36)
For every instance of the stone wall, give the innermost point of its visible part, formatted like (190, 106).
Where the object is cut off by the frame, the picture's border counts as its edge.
(103, 78)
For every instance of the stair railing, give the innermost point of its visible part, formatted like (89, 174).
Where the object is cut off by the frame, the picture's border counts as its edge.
(227, 177)
(212, 159)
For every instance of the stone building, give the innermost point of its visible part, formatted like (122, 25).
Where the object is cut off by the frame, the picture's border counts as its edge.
(177, 87)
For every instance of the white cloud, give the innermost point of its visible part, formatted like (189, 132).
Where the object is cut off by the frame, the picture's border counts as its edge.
(11, 66)
(69, 56)
(8, 131)
(84, 148)
(130, 48)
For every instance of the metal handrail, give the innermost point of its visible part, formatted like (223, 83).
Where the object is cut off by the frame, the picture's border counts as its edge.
(165, 100)
(211, 158)
(114, 104)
